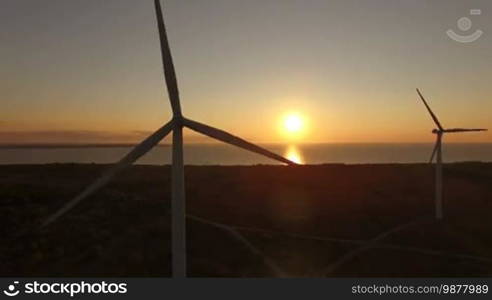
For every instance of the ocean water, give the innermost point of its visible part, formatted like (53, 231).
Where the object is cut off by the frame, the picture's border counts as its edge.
(221, 154)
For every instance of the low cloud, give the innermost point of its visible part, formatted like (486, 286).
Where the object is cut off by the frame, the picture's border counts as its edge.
(84, 137)
(69, 137)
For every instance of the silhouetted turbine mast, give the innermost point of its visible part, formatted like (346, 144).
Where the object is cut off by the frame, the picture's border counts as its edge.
(437, 153)
(176, 126)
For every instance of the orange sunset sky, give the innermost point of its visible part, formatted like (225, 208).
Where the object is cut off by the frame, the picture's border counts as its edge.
(90, 71)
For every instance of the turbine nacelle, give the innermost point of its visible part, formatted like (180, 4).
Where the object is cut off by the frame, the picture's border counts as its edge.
(178, 120)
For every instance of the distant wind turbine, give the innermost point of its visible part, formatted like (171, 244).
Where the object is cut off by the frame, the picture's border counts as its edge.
(439, 132)
(176, 126)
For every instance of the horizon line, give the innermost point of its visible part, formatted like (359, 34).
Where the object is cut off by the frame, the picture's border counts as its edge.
(118, 145)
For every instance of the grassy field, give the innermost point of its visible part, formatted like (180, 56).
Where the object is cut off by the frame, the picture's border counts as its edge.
(306, 220)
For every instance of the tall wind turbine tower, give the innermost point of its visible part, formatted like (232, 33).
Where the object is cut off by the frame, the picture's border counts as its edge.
(437, 153)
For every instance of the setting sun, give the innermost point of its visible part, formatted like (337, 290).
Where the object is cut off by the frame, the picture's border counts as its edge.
(293, 123)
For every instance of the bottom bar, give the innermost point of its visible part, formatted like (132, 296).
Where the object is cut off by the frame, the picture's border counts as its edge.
(210, 288)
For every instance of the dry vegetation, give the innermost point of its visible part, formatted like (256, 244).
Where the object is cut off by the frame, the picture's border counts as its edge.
(124, 229)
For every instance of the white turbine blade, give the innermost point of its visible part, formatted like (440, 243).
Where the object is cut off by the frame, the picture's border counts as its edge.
(167, 61)
(233, 140)
(434, 151)
(129, 159)
(464, 130)
(430, 111)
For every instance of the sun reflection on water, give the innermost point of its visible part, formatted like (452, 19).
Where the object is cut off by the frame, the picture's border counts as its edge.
(292, 153)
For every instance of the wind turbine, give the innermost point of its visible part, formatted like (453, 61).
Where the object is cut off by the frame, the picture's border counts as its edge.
(437, 152)
(176, 126)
